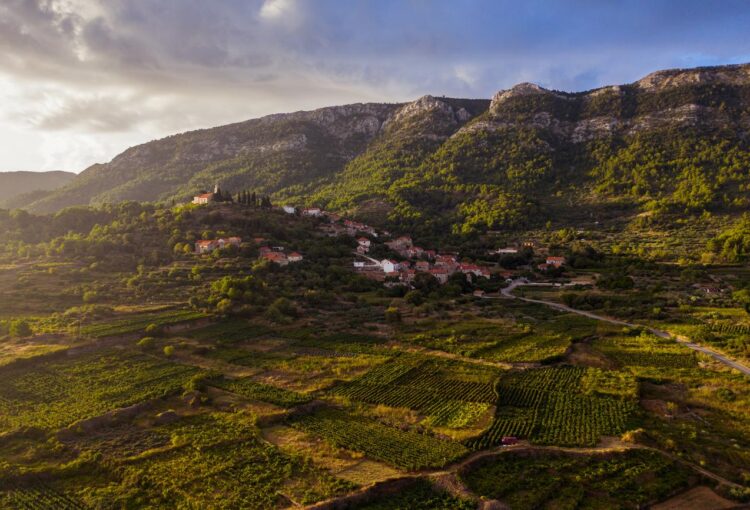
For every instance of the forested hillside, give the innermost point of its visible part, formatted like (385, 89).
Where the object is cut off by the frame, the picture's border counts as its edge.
(671, 145)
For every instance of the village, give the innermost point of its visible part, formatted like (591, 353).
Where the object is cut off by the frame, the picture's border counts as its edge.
(412, 259)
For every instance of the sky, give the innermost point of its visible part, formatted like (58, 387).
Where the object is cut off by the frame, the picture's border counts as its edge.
(83, 80)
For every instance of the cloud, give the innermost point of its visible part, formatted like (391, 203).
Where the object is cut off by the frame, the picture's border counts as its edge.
(124, 72)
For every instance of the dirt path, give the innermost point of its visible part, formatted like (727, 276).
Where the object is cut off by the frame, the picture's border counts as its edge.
(507, 292)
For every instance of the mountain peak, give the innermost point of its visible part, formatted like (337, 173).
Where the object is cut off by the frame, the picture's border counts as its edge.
(729, 75)
(521, 89)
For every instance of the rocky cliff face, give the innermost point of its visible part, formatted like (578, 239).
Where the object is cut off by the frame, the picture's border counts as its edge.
(297, 153)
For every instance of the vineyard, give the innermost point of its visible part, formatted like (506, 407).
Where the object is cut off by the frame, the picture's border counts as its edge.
(508, 341)
(430, 387)
(228, 332)
(646, 351)
(549, 406)
(264, 392)
(138, 322)
(56, 393)
(406, 450)
(38, 496)
(628, 480)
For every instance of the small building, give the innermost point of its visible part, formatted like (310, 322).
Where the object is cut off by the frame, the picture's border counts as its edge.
(264, 249)
(276, 257)
(363, 241)
(408, 275)
(203, 198)
(312, 211)
(440, 274)
(390, 266)
(473, 269)
(359, 264)
(543, 267)
(294, 257)
(422, 265)
(556, 261)
(479, 293)
(289, 209)
(205, 246)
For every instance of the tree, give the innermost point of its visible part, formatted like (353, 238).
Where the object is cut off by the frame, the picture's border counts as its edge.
(392, 315)
(20, 328)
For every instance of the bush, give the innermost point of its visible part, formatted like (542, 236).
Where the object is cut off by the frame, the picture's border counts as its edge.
(392, 315)
(20, 328)
(168, 350)
(154, 330)
(147, 342)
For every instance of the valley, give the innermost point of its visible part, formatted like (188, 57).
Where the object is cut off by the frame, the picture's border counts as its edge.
(233, 354)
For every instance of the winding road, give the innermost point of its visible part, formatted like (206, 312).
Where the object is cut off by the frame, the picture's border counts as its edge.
(507, 292)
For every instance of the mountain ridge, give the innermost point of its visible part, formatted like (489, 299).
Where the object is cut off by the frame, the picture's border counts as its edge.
(394, 159)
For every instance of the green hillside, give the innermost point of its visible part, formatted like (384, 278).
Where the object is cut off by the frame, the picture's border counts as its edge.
(667, 147)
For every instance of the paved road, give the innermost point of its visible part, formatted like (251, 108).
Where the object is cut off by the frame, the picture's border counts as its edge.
(508, 293)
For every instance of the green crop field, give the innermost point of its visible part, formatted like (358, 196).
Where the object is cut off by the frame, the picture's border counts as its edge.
(535, 479)
(258, 391)
(406, 450)
(447, 392)
(137, 322)
(58, 392)
(551, 406)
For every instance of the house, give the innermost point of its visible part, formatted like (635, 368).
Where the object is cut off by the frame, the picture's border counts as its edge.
(556, 261)
(422, 265)
(264, 249)
(364, 243)
(445, 261)
(206, 246)
(390, 266)
(543, 267)
(440, 274)
(408, 275)
(259, 240)
(430, 254)
(359, 264)
(478, 293)
(473, 269)
(276, 257)
(362, 249)
(289, 209)
(203, 198)
(232, 241)
(400, 243)
(312, 211)
(414, 252)
(294, 257)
